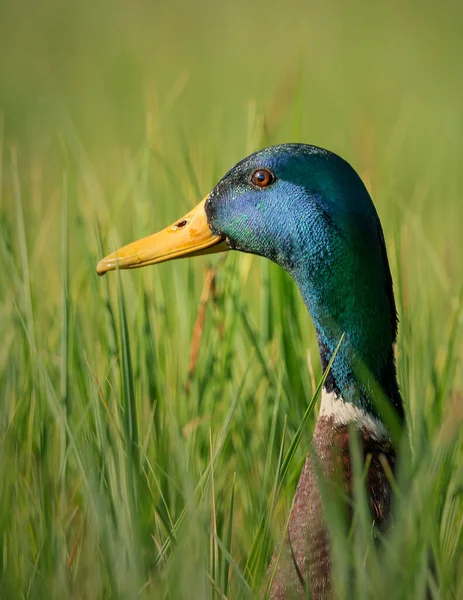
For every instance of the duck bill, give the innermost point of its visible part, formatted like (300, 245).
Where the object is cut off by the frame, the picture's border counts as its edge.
(188, 236)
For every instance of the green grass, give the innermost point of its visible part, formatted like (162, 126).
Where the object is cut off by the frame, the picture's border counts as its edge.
(127, 470)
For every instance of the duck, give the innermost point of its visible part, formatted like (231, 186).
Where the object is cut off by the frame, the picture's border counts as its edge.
(306, 209)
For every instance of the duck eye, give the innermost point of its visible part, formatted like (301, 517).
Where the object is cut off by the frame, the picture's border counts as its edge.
(262, 178)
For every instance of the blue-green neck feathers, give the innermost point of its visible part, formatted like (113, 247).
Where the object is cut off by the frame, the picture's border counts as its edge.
(317, 221)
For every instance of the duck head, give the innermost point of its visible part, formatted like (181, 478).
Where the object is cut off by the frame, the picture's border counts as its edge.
(306, 209)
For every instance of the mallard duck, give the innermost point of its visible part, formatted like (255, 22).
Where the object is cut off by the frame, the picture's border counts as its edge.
(306, 209)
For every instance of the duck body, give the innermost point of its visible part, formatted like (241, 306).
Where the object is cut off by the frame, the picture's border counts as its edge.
(306, 209)
(305, 560)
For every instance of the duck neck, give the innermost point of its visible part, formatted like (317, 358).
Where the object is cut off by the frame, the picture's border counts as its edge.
(364, 366)
(360, 376)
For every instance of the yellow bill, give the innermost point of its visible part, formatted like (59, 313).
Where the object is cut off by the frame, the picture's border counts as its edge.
(189, 236)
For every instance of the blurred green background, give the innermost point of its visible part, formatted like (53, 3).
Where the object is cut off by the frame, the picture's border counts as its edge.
(115, 119)
(198, 65)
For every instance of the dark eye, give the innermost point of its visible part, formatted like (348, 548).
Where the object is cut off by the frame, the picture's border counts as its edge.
(262, 178)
